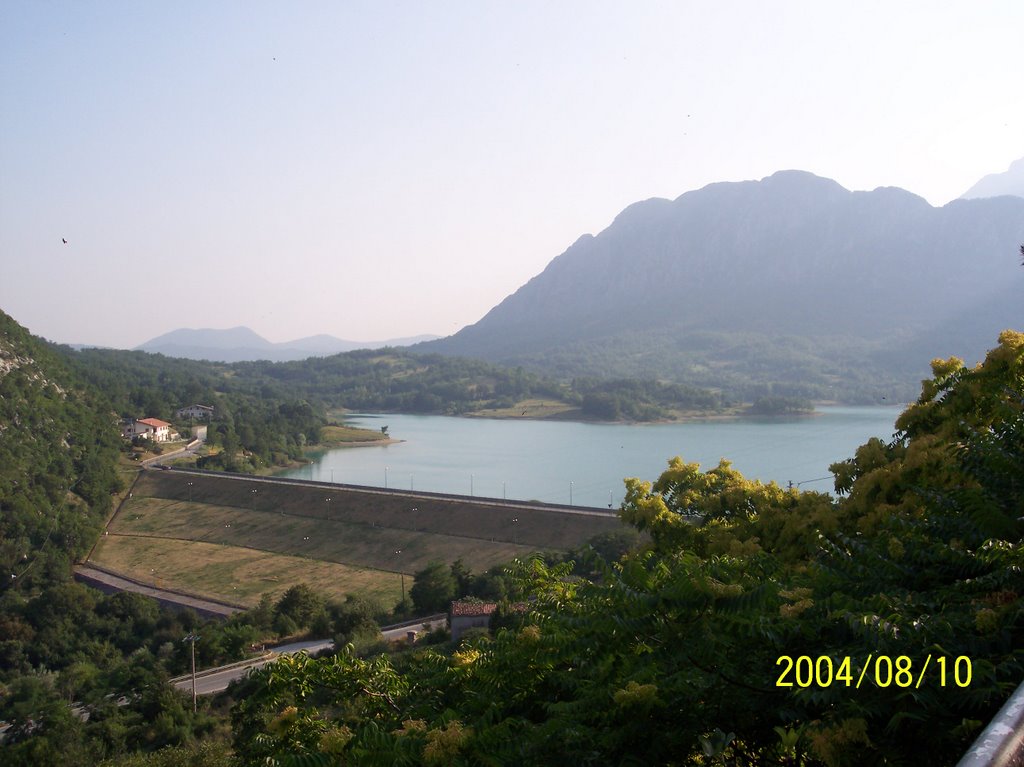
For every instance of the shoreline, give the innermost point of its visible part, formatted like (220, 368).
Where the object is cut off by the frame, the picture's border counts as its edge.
(687, 417)
(320, 449)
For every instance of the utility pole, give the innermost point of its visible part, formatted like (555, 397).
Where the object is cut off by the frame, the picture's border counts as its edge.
(401, 572)
(192, 639)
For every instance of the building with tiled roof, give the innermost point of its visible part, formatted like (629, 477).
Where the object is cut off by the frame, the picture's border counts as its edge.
(196, 412)
(470, 614)
(463, 616)
(150, 428)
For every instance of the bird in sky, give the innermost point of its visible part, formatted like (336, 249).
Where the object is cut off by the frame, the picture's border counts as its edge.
(63, 240)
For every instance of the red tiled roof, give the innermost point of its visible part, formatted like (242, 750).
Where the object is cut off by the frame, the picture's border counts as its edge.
(156, 423)
(472, 609)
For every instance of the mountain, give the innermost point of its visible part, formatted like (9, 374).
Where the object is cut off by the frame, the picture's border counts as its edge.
(242, 344)
(785, 282)
(995, 184)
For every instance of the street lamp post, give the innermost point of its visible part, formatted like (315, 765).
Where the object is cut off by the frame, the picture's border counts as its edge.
(398, 553)
(385, 477)
(192, 639)
(328, 509)
(190, 492)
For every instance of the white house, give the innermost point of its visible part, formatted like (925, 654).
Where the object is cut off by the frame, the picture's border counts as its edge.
(196, 412)
(150, 428)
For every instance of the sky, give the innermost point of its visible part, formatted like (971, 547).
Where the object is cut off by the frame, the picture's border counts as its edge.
(376, 170)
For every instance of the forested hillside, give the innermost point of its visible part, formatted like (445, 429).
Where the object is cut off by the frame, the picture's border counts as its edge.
(62, 644)
(396, 380)
(273, 409)
(256, 422)
(59, 441)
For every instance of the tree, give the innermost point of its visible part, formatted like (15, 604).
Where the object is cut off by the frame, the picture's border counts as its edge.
(433, 588)
(356, 617)
(299, 605)
(464, 578)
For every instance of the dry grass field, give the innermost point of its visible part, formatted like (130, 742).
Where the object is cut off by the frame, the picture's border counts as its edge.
(530, 408)
(236, 575)
(336, 435)
(235, 537)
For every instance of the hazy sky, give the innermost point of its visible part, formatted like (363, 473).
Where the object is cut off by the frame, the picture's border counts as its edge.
(381, 169)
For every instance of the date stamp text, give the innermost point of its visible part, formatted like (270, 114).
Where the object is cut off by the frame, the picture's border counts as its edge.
(879, 670)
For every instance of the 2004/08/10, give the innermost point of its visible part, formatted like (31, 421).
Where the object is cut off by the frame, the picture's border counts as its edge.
(821, 671)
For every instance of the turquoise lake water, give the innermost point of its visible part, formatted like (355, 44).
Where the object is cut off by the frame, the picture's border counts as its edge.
(585, 463)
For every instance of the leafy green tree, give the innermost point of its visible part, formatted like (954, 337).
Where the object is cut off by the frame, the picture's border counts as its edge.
(433, 588)
(464, 578)
(300, 604)
(357, 617)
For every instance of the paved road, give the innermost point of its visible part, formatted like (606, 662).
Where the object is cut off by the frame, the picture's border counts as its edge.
(216, 680)
(109, 582)
(191, 448)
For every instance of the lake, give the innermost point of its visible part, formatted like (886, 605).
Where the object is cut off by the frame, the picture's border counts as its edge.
(585, 463)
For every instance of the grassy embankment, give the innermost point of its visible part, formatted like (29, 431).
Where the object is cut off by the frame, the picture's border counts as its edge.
(533, 409)
(338, 435)
(236, 539)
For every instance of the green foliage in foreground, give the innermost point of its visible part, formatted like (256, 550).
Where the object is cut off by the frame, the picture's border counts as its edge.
(671, 655)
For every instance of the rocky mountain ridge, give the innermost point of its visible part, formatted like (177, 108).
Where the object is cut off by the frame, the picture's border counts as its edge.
(792, 256)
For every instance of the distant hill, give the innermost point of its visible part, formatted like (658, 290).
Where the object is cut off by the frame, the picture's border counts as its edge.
(242, 344)
(995, 184)
(788, 284)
